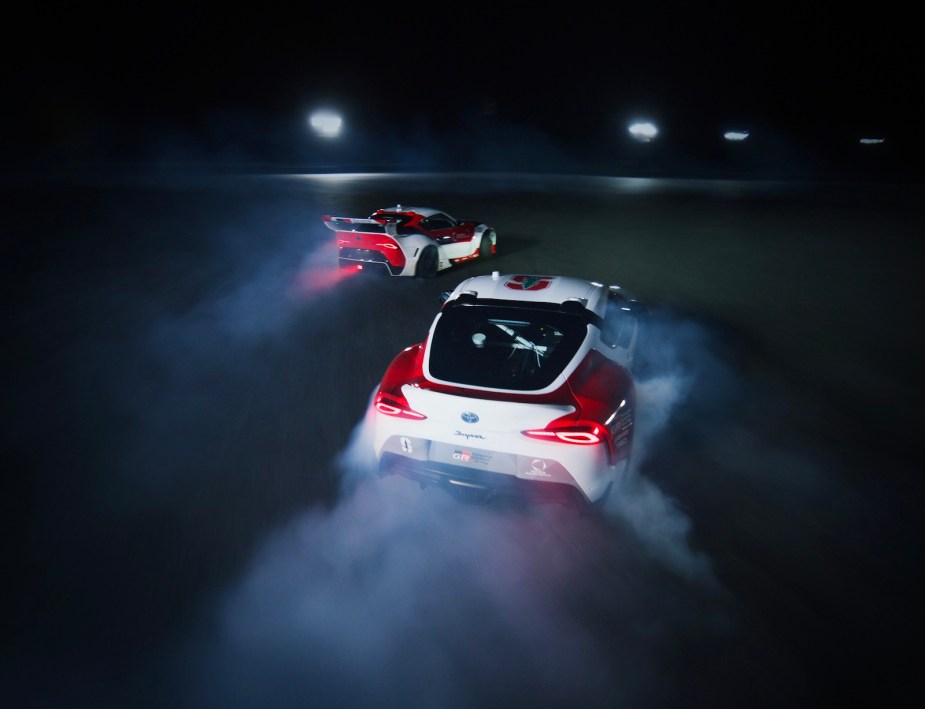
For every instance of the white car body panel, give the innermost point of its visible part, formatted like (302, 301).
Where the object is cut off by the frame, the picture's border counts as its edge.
(464, 435)
(495, 443)
(358, 245)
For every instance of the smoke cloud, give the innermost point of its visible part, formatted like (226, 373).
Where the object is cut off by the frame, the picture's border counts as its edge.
(401, 595)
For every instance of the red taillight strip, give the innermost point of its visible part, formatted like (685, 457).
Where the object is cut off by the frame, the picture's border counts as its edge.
(397, 406)
(581, 435)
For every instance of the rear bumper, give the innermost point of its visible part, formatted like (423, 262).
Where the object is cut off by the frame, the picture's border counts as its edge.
(480, 485)
(369, 259)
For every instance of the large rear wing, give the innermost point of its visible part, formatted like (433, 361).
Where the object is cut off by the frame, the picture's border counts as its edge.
(363, 226)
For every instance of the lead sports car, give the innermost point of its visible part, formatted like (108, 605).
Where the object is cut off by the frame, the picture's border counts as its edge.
(522, 387)
(410, 241)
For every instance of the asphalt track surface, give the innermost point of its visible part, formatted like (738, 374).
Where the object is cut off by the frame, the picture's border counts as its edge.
(191, 522)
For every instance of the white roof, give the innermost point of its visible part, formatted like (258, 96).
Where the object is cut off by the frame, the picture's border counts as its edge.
(535, 288)
(423, 211)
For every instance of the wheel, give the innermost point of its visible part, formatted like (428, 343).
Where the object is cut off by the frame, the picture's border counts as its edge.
(485, 245)
(427, 264)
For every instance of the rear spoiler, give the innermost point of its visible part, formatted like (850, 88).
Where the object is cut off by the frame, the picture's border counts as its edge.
(365, 226)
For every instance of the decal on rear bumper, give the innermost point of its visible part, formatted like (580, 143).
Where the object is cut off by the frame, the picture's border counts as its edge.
(466, 455)
(463, 455)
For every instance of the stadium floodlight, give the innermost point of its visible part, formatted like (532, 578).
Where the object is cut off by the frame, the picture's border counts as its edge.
(643, 131)
(736, 136)
(326, 124)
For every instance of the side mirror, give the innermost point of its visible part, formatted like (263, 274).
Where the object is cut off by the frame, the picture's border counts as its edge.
(444, 296)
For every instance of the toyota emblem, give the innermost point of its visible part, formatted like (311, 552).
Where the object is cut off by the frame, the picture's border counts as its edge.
(469, 417)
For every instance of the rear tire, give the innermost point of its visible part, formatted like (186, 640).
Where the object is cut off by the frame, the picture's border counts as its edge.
(427, 263)
(485, 245)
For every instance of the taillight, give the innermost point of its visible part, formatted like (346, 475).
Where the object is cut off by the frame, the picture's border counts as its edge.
(585, 435)
(581, 433)
(392, 405)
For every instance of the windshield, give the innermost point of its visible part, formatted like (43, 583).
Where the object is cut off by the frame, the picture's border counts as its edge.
(500, 347)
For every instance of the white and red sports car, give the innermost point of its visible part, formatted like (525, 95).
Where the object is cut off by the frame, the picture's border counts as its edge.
(410, 241)
(522, 387)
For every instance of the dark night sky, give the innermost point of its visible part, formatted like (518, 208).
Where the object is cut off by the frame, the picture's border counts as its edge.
(108, 84)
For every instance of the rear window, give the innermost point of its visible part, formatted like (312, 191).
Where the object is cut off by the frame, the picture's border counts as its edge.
(501, 347)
